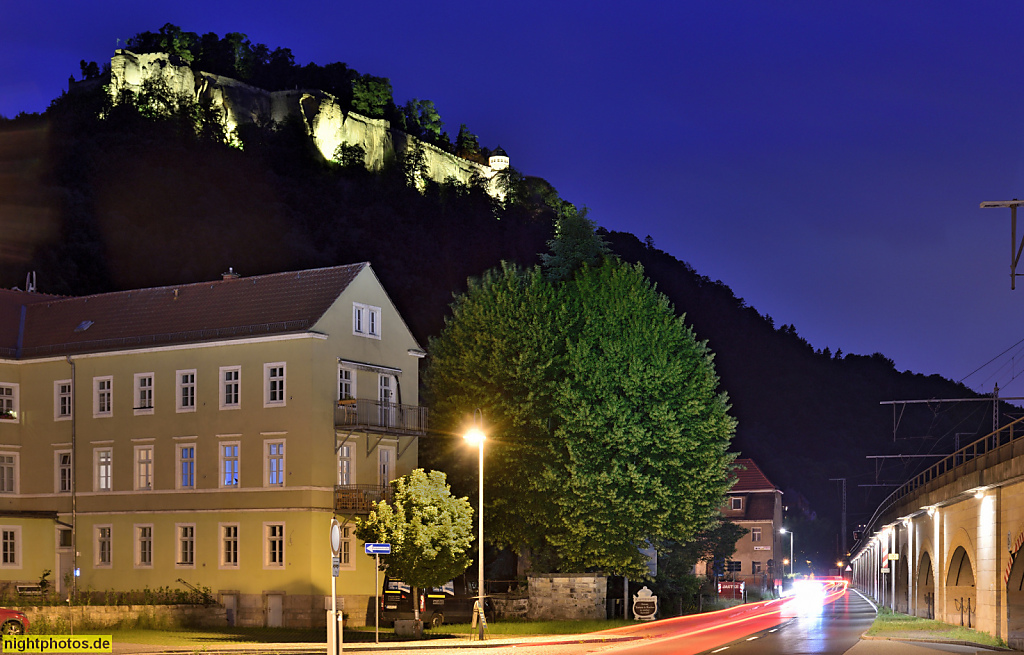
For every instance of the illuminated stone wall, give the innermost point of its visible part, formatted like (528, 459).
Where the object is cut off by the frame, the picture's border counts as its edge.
(326, 123)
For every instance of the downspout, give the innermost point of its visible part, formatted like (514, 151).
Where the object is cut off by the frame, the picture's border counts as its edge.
(74, 485)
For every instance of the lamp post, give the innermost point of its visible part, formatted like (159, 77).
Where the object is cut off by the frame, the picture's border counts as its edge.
(476, 436)
(792, 562)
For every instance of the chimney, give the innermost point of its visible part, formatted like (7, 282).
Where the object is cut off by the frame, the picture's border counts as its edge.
(230, 275)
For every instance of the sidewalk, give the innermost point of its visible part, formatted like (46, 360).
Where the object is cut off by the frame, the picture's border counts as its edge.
(910, 644)
(364, 647)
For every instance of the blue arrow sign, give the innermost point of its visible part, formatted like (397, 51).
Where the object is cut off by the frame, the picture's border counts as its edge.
(378, 549)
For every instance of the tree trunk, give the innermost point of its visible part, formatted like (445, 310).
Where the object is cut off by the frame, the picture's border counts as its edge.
(416, 603)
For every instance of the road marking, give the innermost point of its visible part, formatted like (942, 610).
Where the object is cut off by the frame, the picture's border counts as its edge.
(720, 649)
(752, 638)
(773, 630)
(867, 599)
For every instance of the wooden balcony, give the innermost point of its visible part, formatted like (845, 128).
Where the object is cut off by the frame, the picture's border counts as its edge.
(376, 416)
(359, 498)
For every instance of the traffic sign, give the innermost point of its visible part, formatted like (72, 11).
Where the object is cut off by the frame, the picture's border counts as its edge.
(378, 549)
(335, 566)
(336, 537)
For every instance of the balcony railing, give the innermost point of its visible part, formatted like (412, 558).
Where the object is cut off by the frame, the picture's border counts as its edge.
(381, 416)
(359, 498)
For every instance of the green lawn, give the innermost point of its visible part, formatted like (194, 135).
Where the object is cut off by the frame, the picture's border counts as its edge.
(196, 638)
(895, 625)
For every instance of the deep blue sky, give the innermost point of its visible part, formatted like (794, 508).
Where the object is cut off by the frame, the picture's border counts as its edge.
(825, 161)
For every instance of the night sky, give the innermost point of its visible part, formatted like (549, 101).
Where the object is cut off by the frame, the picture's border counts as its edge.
(824, 160)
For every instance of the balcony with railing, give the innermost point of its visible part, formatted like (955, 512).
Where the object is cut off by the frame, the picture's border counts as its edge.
(390, 418)
(359, 498)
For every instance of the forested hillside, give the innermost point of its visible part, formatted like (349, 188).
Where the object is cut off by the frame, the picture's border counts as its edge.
(143, 198)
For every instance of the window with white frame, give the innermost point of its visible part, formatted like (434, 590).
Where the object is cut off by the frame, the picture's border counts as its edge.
(10, 546)
(737, 503)
(186, 544)
(755, 567)
(144, 546)
(62, 406)
(229, 464)
(386, 394)
(186, 466)
(186, 390)
(346, 464)
(273, 473)
(8, 401)
(755, 534)
(103, 469)
(62, 471)
(228, 545)
(346, 383)
(144, 468)
(103, 396)
(365, 320)
(230, 387)
(103, 546)
(273, 384)
(143, 393)
(273, 545)
(346, 555)
(9, 473)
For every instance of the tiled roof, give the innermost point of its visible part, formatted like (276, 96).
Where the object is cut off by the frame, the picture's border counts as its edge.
(12, 303)
(750, 478)
(223, 309)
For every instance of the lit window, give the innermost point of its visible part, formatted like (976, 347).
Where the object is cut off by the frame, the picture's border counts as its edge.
(229, 464)
(144, 468)
(346, 468)
(186, 545)
(8, 473)
(274, 379)
(274, 545)
(103, 463)
(104, 546)
(144, 545)
(8, 401)
(103, 396)
(229, 545)
(62, 400)
(143, 393)
(275, 463)
(187, 466)
(62, 477)
(230, 387)
(186, 390)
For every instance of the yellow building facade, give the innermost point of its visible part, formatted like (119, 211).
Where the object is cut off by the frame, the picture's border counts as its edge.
(205, 435)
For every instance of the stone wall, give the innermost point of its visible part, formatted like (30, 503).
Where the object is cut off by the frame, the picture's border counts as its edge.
(326, 123)
(568, 596)
(102, 616)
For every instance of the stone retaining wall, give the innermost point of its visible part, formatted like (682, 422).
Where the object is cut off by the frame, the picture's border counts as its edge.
(568, 596)
(102, 616)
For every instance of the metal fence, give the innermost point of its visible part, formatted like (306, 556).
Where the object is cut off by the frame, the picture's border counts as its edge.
(391, 417)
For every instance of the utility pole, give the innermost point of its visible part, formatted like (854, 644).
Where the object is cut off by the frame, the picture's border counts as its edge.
(842, 548)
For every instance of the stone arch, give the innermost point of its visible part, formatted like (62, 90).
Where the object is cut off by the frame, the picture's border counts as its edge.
(925, 587)
(961, 594)
(1014, 577)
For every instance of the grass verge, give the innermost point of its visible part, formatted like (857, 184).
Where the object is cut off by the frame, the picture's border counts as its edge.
(893, 625)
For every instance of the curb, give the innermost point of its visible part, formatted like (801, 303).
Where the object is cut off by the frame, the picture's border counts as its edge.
(952, 642)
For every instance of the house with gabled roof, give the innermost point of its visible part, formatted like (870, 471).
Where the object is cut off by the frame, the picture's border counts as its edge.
(755, 503)
(205, 432)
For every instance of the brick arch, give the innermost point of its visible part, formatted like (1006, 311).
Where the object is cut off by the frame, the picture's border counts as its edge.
(959, 538)
(1015, 551)
(924, 585)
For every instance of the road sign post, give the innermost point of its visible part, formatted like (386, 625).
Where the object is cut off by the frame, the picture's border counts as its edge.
(377, 550)
(335, 637)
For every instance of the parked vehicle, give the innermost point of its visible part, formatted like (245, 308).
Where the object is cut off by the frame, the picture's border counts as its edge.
(13, 622)
(452, 602)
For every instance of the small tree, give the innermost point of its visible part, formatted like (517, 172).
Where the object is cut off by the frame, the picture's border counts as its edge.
(430, 531)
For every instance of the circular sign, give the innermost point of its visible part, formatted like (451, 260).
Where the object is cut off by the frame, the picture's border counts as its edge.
(335, 537)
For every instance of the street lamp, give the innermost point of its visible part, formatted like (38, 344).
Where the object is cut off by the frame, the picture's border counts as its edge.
(792, 562)
(476, 436)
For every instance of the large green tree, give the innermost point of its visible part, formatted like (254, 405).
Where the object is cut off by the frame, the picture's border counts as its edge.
(430, 531)
(609, 431)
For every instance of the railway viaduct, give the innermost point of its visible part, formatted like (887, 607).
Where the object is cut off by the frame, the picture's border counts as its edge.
(949, 544)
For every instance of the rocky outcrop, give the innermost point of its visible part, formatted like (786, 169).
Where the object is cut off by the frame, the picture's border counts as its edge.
(327, 124)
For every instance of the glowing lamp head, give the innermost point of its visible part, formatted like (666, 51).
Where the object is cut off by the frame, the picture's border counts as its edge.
(783, 530)
(475, 436)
